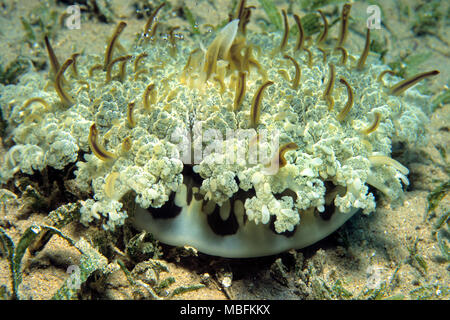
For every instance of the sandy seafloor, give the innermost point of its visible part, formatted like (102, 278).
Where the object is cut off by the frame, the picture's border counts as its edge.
(367, 254)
